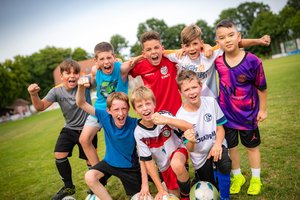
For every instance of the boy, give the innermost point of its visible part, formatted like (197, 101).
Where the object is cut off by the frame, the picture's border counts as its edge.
(75, 117)
(110, 76)
(161, 143)
(243, 99)
(197, 61)
(206, 141)
(120, 158)
(158, 72)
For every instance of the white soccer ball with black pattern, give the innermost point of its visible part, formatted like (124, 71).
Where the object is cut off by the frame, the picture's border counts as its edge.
(204, 190)
(136, 197)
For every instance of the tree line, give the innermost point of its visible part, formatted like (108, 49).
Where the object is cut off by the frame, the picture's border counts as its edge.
(253, 19)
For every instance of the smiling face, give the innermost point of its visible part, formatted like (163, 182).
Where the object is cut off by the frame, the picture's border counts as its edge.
(228, 38)
(119, 112)
(105, 61)
(145, 108)
(190, 90)
(193, 48)
(153, 51)
(70, 78)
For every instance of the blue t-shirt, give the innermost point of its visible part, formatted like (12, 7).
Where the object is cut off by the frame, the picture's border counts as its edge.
(108, 83)
(120, 143)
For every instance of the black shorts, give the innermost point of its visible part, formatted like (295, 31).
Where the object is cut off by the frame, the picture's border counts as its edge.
(206, 172)
(249, 138)
(68, 138)
(130, 177)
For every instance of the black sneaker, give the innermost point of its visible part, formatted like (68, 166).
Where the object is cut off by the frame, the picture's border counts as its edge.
(63, 192)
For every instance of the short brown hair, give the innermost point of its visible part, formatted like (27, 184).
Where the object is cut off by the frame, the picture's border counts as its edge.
(67, 64)
(141, 93)
(190, 33)
(187, 75)
(149, 35)
(103, 47)
(117, 96)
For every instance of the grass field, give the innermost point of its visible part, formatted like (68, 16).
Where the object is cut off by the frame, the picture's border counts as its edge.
(28, 169)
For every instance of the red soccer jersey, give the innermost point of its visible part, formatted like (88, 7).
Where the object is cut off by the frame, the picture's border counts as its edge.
(162, 81)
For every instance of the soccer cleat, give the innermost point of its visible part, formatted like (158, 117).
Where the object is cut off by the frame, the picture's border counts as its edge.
(63, 192)
(236, 183)
(255, 186)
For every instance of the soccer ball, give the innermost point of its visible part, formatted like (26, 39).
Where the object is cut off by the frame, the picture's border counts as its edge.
(136, 197)
(170, 197)
(68, 198)
(204, 190)
(92, 197)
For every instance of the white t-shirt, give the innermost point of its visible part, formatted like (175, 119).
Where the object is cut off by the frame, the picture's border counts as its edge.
(203, 66)
(205, 121)
(158, 143)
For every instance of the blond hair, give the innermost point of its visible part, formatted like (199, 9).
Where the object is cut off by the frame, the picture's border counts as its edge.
(190, 33)
(141, 93)
(117, 96)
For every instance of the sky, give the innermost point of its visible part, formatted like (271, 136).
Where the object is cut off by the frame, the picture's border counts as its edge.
(28, 26)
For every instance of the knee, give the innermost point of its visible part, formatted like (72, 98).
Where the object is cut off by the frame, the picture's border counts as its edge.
(178, 168)
(90, 177)
(85, 138)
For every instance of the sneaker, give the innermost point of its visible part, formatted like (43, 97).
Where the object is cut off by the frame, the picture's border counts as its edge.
(255, 186)
(63, 192)
(236, 183)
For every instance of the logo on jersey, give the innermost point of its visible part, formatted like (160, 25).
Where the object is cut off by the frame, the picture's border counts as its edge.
(107, 87)
(241, 78)
(207, 117)
(164, 70)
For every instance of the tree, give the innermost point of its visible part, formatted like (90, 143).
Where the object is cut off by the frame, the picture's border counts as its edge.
(119, 43)
(208, 35)
(80, 54)
(244, 15)
(171, 37)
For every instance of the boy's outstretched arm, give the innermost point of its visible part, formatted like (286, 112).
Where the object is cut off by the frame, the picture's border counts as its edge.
(172, 121)
(129, 65)
(80, 96)
(262, 113)
(40, 105)
(263, 41)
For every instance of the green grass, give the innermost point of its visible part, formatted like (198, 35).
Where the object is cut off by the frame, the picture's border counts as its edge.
(28, 169)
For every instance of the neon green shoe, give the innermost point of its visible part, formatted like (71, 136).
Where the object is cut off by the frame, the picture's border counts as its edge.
(236, 183)
(255, 186)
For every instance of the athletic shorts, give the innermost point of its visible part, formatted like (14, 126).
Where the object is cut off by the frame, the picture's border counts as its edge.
(67, 139)
(169, 176)
(91, 120)
(249, 138)
(130, 177)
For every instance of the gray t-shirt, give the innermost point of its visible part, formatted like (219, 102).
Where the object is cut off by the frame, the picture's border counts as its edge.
(74, 116)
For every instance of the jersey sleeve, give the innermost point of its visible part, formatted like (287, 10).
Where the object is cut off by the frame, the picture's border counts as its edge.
(143, 150)
(171, 55)
(260, 79)
(221, 119)
(51, 96)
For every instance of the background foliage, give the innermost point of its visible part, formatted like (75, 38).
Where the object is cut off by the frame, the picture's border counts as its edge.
(253, 19)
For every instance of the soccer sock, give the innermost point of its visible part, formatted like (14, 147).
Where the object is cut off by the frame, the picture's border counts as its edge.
(185, 188)
(65, 171)
(255, 172)
(236, 171)
(223, 184)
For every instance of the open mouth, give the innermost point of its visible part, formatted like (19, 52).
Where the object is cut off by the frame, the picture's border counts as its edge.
(107, 67)
(146, 114)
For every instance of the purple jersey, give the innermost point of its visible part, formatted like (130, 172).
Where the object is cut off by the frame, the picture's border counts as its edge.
(238, 96)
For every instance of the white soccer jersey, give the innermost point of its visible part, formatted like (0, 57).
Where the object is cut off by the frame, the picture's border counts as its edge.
(157, 143)
(204, 67)
(205, 121)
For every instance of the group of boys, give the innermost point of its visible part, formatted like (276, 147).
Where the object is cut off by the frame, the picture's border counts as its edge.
(155, 145)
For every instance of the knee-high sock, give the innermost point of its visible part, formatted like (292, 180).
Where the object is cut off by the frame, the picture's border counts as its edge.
(65, 171)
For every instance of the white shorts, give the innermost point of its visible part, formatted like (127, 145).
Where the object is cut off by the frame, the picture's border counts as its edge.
(92, 121)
